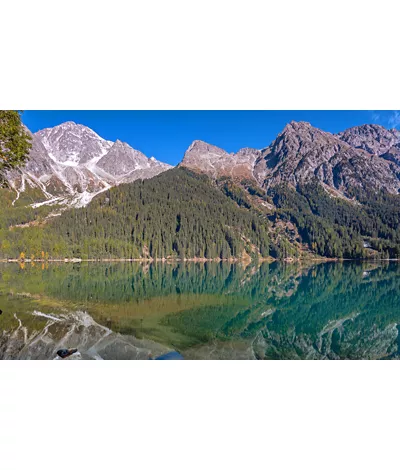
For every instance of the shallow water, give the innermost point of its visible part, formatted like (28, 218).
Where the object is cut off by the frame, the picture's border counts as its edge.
(204, 311)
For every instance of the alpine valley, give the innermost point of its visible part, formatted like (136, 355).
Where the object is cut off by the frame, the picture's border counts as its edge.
(307, 194)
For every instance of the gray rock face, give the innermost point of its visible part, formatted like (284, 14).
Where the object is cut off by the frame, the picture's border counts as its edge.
(393, 155)
(370, 137)
(155, 168)
(376, 140)
(215, 162)
(39, 162)
(302, 152)
(122, 159)
(360, 157)
(70, 164)
(72, 143)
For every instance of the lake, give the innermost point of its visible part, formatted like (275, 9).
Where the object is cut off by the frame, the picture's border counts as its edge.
(346, 310)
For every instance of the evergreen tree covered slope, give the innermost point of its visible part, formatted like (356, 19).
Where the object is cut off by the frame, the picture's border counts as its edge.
(177, 214)
(333, 195)
(367, 226)
(183, 214)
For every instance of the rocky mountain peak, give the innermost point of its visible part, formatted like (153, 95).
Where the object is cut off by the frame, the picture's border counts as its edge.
(216, 162)
(304, 130)
(302, 153)
(301, 131)
(201, 148)
(122, 159)
(372, 138)
(67, 124)
(72, 144)
(300, 139)
(70, 164)
(297, 126)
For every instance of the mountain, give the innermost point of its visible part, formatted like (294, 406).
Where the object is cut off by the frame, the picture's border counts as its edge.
(372, 138)
(335, 194)
(177, 214)
(69, 164)
(73, 144)
(301, 153)
(307, 193)
(126, 164)
(216, 162)
(376, 140)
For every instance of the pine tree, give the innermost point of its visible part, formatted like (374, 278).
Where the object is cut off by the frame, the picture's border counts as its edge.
(15, 142)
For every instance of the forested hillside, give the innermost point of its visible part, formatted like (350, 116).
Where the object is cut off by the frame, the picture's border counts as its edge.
(177, 214)
(309, 193)
(335, 227)
(23, 228)
(183, 214)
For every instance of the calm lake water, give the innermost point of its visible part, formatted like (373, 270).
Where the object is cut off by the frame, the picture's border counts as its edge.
(203, 311)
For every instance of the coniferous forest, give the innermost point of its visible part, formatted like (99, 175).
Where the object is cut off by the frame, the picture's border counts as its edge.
(177, 214)
(186, 215)
(338, 228)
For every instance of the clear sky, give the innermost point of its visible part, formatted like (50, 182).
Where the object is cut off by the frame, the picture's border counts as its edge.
(167, 134)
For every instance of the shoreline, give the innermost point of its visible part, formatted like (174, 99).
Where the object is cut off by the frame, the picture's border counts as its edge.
(195, 260)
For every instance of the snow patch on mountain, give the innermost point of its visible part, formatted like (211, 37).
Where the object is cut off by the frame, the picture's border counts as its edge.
(70, 164)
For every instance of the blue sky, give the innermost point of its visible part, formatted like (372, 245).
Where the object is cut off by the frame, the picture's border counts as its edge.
(167, 134)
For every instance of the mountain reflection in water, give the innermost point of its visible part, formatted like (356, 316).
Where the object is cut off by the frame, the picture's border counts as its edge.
(203, 311)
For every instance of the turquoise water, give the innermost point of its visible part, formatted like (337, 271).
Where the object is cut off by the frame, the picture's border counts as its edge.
(204, 311)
